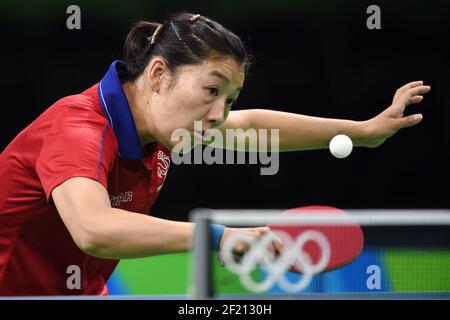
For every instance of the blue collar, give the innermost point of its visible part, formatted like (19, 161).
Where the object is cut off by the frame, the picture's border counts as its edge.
(115, 106)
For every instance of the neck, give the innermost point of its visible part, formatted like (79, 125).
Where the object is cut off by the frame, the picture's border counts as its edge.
(139, 103)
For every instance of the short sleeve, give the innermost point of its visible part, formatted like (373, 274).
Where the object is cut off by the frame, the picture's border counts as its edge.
(76, 146)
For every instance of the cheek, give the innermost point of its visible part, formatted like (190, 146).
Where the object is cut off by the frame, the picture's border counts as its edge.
(190, 106)
(181, 106)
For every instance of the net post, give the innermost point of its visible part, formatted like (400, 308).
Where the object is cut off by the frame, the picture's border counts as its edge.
(202, 265)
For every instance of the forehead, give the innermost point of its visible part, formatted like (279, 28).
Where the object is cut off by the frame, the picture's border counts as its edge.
(223, 68)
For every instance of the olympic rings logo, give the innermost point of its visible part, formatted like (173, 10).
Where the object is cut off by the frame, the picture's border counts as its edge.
(259, 255)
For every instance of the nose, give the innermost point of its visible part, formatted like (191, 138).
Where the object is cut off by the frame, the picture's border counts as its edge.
(216, 115)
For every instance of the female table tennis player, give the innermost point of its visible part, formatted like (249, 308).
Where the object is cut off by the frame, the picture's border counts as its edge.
(78, 182)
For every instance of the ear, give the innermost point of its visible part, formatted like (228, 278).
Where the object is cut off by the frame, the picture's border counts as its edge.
(156, 71)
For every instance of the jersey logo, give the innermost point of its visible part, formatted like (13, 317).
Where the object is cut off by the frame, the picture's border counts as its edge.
(122, 197)
(163, 164)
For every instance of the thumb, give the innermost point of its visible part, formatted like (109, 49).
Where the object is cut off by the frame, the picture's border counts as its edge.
(409, 121)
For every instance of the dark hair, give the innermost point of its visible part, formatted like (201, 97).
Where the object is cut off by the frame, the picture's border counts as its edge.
(184, 39)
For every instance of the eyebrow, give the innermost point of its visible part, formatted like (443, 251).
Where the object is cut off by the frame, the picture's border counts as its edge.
(222, 77)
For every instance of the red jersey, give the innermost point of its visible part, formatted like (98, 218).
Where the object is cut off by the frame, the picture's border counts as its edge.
(90, 135)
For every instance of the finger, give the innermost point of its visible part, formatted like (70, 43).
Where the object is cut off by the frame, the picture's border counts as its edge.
(242, 246)
(272, 251)
(412, 92)
(262, 230)
(418, 90)
(409, 121)
(408, 97)
(410, 85)
(406, 87)
(415, 99)
(279, 246)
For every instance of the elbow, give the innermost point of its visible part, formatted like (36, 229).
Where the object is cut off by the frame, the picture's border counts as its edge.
(88, 244)
(90, 241)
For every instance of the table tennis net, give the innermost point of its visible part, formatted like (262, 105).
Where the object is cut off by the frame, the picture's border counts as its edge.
(405, 252)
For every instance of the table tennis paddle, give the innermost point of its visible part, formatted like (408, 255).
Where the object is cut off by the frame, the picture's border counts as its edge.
(345, 240)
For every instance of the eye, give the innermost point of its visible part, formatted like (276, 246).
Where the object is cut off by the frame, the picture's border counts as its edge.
(230, 102)
(213, 91)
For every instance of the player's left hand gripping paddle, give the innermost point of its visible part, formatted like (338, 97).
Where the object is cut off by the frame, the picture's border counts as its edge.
(345, 240)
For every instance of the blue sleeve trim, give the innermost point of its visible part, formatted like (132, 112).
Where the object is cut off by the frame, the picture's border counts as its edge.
(216, 233)
(101, 152)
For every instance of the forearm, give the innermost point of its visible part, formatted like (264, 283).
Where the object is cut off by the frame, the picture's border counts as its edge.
(300, 132)
(118, 234)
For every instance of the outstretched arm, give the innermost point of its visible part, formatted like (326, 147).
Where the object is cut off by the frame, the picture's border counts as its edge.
(299, 132)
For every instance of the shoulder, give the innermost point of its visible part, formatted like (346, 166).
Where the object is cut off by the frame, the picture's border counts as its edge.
(80, 120)
(83, 105)
(79, 111)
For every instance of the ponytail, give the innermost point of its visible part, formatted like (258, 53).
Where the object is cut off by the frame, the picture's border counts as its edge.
(137, 45)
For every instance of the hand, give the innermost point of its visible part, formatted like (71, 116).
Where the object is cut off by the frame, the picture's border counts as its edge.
(247, 236)
(388, 122)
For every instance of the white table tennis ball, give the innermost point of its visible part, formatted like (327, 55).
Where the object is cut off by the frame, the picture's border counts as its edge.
(341, 146)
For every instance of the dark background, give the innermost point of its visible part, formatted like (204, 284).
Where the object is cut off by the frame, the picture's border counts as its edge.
(311, 57)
